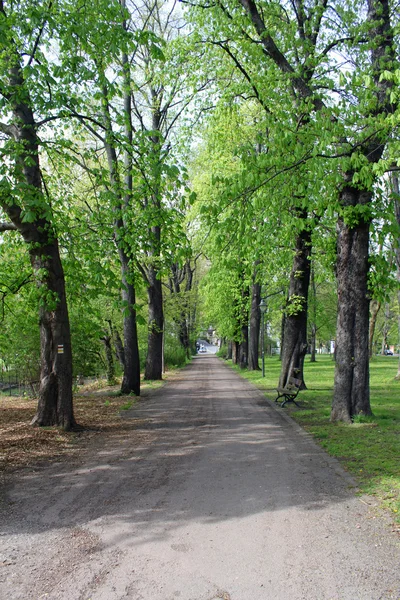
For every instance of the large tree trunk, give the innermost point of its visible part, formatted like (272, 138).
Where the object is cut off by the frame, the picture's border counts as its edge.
(313, 343)
(295, 324)
(244, 345)
(244, 330)
(154, 357)
(351, 388)
(55, 391)
(395, 182)
(131, 377)
(235, 352)
(254, 332)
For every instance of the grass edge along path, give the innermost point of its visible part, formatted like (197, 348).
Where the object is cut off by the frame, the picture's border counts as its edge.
(369, 448)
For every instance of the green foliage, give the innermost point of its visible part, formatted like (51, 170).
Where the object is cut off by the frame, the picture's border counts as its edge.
(174, 356)
(223, 351)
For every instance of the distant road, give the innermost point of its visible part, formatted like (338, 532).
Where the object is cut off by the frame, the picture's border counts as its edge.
(210, 348)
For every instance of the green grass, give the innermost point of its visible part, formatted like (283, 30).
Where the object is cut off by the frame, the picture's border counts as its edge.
(370, 447)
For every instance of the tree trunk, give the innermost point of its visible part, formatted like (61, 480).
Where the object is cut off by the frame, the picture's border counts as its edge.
(131, 377)
(295, 324)
(235, 352)
(395, 183)
(375, 307)
(313, 358)
(177, 278)
(229, 353)
(106, 339)
(351, 387)
(254, 333)
(283, 321)
(153, 368)
(243, 348)
(244, 329)
(55, 391)
(386, 329)
(115, 338)
(314, 316)
(119, 348)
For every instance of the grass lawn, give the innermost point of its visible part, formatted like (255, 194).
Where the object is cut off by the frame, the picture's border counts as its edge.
(370, 447)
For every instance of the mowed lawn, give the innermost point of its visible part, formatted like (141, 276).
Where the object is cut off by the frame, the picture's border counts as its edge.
(370, 447)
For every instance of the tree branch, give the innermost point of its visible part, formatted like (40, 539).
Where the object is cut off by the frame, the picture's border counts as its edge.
(276, 55)
(7, 227)
(244, 73)
(7, 129)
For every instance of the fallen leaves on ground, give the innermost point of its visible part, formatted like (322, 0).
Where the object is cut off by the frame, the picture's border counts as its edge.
(21, 444)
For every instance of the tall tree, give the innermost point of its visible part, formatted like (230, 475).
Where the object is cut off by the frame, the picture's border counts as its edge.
(23, 198)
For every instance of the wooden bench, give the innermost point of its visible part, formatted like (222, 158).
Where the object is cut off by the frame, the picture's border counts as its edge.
(290, 391)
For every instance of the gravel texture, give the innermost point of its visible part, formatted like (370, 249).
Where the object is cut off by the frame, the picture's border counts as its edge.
(216, 494)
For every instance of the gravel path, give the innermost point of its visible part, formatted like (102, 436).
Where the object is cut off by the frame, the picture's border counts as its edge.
(217, 495)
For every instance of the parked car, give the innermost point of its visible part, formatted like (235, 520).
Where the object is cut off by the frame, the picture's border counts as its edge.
(388, 352)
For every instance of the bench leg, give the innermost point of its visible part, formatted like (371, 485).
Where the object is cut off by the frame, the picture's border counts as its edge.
(289, 400)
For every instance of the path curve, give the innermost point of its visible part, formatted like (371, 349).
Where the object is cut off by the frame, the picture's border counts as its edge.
(216, 495)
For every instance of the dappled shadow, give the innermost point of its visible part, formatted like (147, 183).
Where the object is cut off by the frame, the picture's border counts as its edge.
(210, 453)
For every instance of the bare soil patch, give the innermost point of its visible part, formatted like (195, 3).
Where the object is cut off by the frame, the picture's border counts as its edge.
(97, 411)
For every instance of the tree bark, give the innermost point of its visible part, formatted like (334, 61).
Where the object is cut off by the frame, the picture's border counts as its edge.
(396, 190)
(313, 344)
(295, 325)
(106, 339)
(55, 405)
(244, 345)
(385, 329)
(244, 330)
(351, 387)
(235, 352)
(153, 368)
(119, 348)
(131, 377)
(178, 276)
(254, 332)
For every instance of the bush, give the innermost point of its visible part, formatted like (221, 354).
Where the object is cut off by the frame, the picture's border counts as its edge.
(223, 351)
(174, 357)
